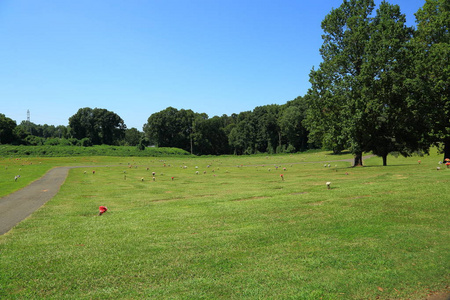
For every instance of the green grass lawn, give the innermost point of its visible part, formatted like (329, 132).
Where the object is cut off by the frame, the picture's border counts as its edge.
(234, 231)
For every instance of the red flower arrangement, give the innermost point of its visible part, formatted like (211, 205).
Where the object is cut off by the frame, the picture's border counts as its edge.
(102, 210)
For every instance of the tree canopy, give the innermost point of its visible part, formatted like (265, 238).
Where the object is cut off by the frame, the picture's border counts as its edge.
(171, 127)
(7, 127)
(430, 85)
(359, 96)
(99, 125)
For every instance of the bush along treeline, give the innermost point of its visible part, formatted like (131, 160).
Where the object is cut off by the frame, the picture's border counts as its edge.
(382, 87)
(97, 150)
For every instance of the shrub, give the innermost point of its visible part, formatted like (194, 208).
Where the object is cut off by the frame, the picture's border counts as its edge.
(98, 150)
(34, 140)
(86, 142)
(290, 149)
(52, 142)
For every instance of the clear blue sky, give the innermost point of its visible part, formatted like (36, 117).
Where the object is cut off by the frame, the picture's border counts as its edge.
(138, 57)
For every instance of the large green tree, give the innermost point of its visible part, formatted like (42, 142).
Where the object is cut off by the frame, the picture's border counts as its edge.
(7, 126)
(358, 97)
(99, 125)
(210, 136)
(172, 128)
(266, 128)
(335, 106)
(242, 135)
(257, 131)
(390, 120)
(133, 136)
(290, 121)
(432, 69)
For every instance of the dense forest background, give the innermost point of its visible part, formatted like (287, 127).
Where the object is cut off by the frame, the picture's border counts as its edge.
(271, 129)
(382, 87)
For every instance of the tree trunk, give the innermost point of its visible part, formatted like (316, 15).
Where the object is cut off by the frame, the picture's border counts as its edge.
(384, 159)
(279, 139)
(358, 160)
(446, 149)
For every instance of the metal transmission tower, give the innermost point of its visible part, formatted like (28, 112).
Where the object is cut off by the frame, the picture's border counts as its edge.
(28, 121)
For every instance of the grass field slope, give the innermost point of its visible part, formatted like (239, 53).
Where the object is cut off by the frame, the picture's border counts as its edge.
(77, 151)
(229, 227)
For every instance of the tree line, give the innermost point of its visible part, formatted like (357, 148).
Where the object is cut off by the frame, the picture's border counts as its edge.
(87, 127)
(381, 87)
(266, 129)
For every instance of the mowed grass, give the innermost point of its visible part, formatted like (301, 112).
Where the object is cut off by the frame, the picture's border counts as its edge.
(32, 168)
(236, 231)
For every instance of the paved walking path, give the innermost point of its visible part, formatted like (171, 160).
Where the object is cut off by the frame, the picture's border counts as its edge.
(17, 206)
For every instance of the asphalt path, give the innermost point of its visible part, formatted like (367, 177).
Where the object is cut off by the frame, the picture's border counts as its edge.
(17, 206)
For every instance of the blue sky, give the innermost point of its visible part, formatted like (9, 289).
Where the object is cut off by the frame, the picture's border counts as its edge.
(139, 57)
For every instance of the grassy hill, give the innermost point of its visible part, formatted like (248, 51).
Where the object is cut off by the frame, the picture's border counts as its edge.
(237, 229)
(100, 150)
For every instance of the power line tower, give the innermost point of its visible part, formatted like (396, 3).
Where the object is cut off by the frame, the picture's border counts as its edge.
(28, 120)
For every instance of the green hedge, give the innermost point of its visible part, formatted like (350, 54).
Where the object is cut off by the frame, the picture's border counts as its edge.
(103, 150)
